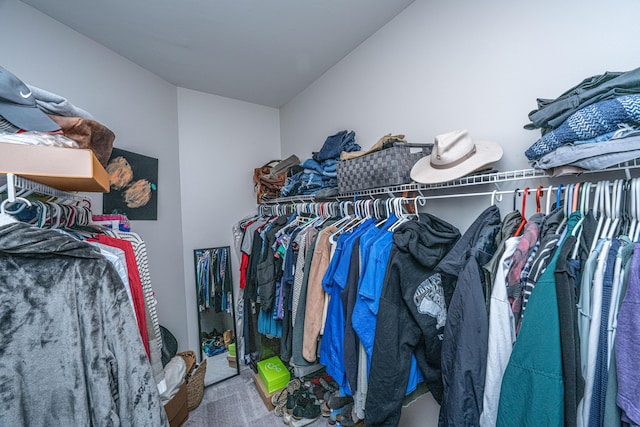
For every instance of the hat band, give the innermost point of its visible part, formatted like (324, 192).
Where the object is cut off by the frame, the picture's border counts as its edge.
(456, 162)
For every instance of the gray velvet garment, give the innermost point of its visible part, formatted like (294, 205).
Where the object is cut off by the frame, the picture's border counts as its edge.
(70, 350)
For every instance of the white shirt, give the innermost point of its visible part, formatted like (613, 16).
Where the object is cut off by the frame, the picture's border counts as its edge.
(502, 336)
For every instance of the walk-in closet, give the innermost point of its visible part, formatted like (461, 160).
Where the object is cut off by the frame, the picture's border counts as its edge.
(339, 213)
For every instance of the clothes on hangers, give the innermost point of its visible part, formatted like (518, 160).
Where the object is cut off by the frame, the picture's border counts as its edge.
(532, 387)
(559, 358)
(413, 307)
(213, 284)
(134, 282)
(626, 346)
(464, 346)
(60, 285)
(501, 336)
(69, 214)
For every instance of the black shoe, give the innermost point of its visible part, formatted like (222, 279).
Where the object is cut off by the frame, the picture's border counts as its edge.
(337, 402)
(299, 397)
(310, 411)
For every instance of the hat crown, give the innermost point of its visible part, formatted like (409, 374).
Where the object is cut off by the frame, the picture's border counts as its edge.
(451, 147)
(14, 90)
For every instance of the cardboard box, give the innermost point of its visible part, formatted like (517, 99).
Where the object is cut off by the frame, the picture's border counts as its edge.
(273, 373)
(66, 169)
(262, 391)
(233, 363)
(176, 409)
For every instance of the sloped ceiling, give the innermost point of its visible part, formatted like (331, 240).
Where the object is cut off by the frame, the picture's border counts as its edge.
(260, 51)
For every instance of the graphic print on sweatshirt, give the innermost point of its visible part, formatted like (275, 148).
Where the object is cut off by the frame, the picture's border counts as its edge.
(429, 299)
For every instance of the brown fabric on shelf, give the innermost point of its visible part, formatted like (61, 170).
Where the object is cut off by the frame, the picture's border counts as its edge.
(345, 155)
(88, 134)
(267, 188)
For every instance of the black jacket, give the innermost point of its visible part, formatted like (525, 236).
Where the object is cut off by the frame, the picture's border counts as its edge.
(464, 348)
(410, 317)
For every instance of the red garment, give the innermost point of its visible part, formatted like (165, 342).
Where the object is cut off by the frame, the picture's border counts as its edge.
(135, 284)
(244, 264)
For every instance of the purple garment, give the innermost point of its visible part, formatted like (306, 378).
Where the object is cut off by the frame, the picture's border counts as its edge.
(628, 345)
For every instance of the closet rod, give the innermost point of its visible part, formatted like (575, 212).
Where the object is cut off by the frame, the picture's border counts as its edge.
(488, 178)
(302, 205)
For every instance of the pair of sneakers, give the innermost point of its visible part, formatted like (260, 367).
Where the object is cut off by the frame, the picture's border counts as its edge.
(280, 398)
(302, 408)
(334, 402)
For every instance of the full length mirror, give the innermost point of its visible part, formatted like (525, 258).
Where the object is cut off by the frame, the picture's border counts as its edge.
(214, 290)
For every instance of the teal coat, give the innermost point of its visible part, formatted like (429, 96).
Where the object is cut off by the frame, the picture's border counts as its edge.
(532, 392)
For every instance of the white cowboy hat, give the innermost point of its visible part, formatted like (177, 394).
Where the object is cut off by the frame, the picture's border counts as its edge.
(453, 156)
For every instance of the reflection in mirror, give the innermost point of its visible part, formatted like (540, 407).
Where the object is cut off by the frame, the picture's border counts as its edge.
(214, 290)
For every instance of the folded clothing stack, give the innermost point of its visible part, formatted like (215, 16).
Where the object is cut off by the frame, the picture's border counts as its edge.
(592, 126)
(319, 172)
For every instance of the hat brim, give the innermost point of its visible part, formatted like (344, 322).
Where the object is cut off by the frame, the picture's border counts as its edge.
(486, 152)
(27, 118)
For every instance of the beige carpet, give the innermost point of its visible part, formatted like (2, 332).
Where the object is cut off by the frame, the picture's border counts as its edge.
(236, 402)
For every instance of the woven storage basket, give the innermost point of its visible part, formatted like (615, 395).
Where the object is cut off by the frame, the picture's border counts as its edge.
(383, 168)
(194, 378)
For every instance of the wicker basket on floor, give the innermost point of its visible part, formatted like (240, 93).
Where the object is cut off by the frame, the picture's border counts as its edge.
(194, 378)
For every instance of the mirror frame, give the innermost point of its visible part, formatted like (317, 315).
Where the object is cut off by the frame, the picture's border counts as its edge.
(196, 254)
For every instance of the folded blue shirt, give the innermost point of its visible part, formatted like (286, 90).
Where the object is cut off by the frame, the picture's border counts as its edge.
(589, 122)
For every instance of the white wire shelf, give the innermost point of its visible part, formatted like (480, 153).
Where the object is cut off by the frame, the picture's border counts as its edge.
(479, 179)
(38, 188)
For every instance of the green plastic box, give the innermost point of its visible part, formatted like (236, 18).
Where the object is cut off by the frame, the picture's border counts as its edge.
(232, 349)
(273, 373)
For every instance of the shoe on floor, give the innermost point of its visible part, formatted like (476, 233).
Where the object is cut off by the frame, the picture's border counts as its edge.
(286, 418)
(336, 402)
(280, 397)
(299, 397)
(325, 411)
(318, 392)
(348, 417)
(333, 416)
(280, 409)
(311, 410)
(301, 422)
(293, 385)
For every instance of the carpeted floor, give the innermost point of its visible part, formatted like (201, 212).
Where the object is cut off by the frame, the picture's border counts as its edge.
(236, 402)
(218, 368)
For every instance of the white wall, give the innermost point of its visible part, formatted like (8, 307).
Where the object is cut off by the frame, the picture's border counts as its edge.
(443, 65)
(446, 65)
(139, 107)
(221, 141)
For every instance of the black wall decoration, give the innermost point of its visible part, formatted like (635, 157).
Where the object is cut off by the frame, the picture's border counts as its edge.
(134, 186)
